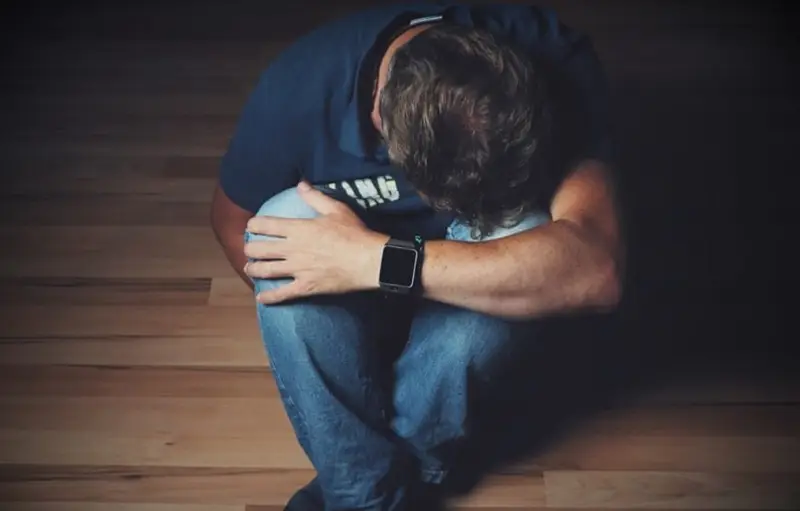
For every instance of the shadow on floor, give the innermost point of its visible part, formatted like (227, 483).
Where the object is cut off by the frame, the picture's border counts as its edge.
(586, 366)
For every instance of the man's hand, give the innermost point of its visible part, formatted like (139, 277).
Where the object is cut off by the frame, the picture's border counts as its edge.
(332, 254)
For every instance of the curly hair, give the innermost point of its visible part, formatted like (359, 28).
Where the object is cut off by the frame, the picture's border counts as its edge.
(467, 118)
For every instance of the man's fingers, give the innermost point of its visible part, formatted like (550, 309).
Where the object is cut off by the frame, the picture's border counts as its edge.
(268, 269)
(275, 249)
(321, 202)
(282, 293)
(274, 226)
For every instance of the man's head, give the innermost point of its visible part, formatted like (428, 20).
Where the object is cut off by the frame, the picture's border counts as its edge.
(467, 118)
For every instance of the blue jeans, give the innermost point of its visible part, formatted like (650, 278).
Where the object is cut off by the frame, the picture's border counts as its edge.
(370, 441)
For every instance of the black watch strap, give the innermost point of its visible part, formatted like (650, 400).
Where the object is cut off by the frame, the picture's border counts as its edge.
(419, 244)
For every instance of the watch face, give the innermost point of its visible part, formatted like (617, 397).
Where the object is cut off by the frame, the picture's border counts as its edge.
(398, 266)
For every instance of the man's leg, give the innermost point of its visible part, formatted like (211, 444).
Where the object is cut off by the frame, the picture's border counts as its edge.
(453, 358)
(323, 356)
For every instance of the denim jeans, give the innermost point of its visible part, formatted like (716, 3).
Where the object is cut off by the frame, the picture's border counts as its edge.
(369, 441)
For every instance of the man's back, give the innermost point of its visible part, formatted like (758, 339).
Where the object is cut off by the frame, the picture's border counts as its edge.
(308, 116)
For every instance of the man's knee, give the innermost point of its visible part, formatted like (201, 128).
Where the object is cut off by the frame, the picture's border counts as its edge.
(286, 204)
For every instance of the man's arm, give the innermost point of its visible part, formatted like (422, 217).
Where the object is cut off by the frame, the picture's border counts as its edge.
(229, 222)
(573, 263)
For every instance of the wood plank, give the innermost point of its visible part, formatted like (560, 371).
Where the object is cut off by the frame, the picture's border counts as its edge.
(506, 491)
(703, 453)
(104, 81)
(134, 350)
(186, 485)
(65, 174)
(141, 417)
(229, 292)
(103, 291)
(654, 419)
(107, 251)
(175, 57)
(200, 432)
(273, 449)
(95, 321)
(101, 210)
(113, 125)
(199, 137)
(65, 186)
(108, 506)
(136, 381)
(680, 490)
(189, 167)
(156, 103)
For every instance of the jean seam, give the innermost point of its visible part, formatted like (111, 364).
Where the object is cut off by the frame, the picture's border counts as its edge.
(291, 408)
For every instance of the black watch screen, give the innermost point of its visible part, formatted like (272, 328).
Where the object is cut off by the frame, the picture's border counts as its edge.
(398, 267)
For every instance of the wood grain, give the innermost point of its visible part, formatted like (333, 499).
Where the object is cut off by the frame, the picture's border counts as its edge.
(169, 485)
(230, 292)
(107, 506)
(103, 291)
(190, 381)
(508, 491)
(109, 251)
(87, 321)
(101, 210)
(51, 173)
(718, 453)
(166, 448)
(134, 350)
(681, 490)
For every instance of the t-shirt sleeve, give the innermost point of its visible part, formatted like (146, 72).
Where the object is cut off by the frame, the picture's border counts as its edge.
(263, 156)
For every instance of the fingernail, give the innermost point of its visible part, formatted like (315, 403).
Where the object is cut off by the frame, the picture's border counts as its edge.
(246, 266)
(303, 186)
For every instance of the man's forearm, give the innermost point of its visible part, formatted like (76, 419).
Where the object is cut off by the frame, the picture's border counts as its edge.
(558, 267)
(232, 245)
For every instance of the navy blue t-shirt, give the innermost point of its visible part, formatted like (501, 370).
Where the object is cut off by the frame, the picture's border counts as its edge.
(308, 116)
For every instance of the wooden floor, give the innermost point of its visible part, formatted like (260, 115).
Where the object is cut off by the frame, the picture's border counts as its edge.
(132, 375)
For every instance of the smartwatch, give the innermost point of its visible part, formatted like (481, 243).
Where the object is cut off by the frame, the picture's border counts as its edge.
(401, 265)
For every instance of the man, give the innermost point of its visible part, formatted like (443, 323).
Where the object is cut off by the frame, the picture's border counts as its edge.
(454, 156)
